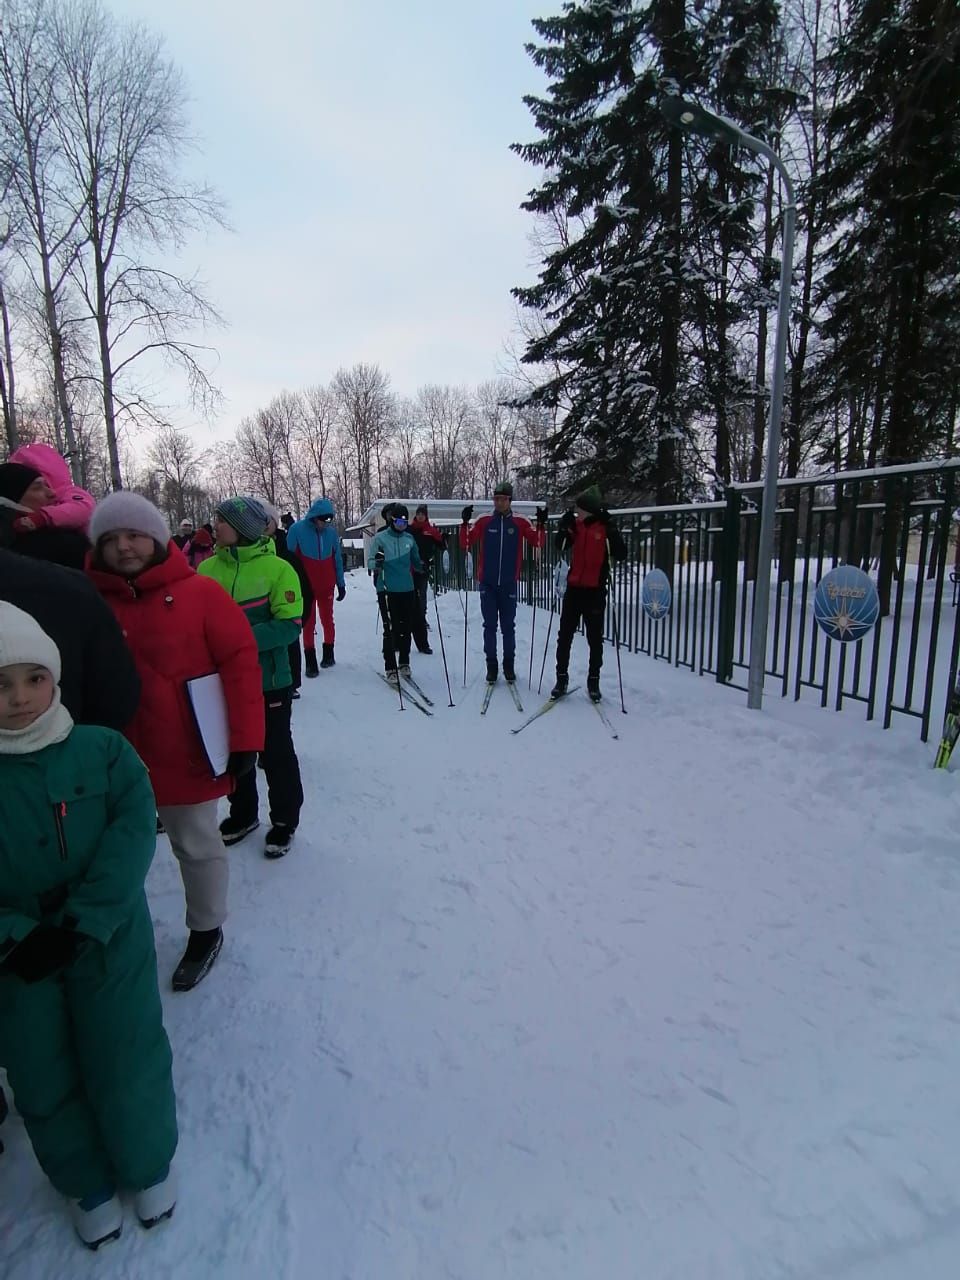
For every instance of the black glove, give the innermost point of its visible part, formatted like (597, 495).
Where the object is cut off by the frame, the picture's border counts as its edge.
(241, 762)
(541, 517)
(379, 558)
(466, 515)
(604, 515)
(341, 593)
(568, 521)
(44, 951)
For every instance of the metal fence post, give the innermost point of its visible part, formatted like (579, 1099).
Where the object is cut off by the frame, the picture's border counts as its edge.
(729, 560)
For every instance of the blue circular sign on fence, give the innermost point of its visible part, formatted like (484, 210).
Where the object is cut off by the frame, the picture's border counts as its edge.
(656, 596)
(846, 604)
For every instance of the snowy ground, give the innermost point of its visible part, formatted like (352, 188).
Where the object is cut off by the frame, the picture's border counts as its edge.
(682, 1006)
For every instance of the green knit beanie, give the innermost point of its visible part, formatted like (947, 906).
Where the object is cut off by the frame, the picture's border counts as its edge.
(590, 500)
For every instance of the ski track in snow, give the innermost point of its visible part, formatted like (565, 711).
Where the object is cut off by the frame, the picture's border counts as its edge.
(681, 1006)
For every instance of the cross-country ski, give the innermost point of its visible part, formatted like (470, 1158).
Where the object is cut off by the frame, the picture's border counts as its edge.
(542, 711)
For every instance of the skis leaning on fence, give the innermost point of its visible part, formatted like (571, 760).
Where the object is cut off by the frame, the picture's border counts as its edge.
(951, 728)
(413, 700)
(542, 711)
(598, 708)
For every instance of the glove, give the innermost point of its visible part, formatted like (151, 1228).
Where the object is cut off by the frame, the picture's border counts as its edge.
(341, 593)
(27, 524)
(568, 522)
(541, 517)
(44, 951)
(241, 762)
(379, 558)
(466, 515)
(603, 515)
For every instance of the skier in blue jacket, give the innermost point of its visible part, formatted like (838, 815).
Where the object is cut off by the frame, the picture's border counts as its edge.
(316, 543)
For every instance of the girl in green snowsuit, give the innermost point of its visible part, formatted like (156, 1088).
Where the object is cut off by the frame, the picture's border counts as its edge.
(81, 1031)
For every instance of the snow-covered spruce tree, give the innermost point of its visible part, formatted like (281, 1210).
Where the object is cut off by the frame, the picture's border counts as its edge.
(893, 200)
(608, 293)
(652, 271)
(892, 197)
(739, 60)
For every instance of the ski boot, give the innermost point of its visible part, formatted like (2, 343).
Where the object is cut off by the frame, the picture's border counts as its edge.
(492, 671)
(560, 688)
(593, 688)
(509, 674)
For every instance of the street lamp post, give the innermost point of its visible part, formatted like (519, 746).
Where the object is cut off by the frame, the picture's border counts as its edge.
(693, 118)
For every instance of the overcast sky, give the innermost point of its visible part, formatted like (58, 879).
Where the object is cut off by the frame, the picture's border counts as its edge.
(362, 150)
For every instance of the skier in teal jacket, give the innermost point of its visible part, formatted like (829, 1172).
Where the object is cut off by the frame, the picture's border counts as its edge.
(81, 1029)
(393, 559)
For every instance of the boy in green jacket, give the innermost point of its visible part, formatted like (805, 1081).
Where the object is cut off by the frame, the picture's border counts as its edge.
(393, 559)
(81, 1029)
(267, 589)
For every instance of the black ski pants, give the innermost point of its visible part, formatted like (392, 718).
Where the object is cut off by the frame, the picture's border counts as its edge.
(280, 766)
(421, 585)
(399, 611)
(586, 604)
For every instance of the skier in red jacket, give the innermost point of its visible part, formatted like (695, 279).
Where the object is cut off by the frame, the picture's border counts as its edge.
(589, 534)
(180, 625)
(501, 538)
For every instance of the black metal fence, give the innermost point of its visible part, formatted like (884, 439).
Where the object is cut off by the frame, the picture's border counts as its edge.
(897, 523)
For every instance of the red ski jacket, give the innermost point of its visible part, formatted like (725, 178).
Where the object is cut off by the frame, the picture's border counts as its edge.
(179, 625)
(501, 541)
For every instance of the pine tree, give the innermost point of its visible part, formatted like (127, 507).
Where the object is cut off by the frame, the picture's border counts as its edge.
(608, 294)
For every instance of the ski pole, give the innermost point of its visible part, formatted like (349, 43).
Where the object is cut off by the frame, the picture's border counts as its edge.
(533, 632)
(546, 646)
(443, 652)
(467, 574)
(388, 639)
(616, 630)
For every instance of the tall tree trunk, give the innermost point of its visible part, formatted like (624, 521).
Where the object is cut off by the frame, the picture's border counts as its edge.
(7, 382)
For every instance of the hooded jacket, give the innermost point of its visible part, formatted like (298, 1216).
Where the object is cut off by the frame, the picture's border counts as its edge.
(266, 589)
(99, 684)
(401, 560)
(179, 626)
(318, 548)
(74, 506)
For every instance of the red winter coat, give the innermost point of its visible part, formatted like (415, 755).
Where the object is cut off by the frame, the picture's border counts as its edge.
(180, 625)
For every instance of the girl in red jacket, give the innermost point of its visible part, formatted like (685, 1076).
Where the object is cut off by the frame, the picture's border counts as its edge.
(180, 625)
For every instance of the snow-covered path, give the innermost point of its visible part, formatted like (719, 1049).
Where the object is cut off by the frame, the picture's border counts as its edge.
(553, 1007)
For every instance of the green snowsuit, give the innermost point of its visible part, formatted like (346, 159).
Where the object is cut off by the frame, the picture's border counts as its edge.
(85, 1050)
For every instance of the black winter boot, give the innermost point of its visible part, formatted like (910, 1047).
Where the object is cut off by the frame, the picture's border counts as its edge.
(492, 671)
(202, 950)
(593, 688)
(310, 663)
(560, 688)
(508, 672)
(327, 659)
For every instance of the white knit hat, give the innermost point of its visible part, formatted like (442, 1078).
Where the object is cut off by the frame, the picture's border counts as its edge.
(22, 639)
(126, 510)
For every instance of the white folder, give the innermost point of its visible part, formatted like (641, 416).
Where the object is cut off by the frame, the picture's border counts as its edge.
(209, 705)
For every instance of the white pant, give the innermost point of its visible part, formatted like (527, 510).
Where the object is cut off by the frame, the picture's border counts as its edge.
(194, 834)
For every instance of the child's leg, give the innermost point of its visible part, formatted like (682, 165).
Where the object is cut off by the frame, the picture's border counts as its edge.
(123, 1050)
(325, 608)
(196, 843)
(280, 763)
(44, 1072)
